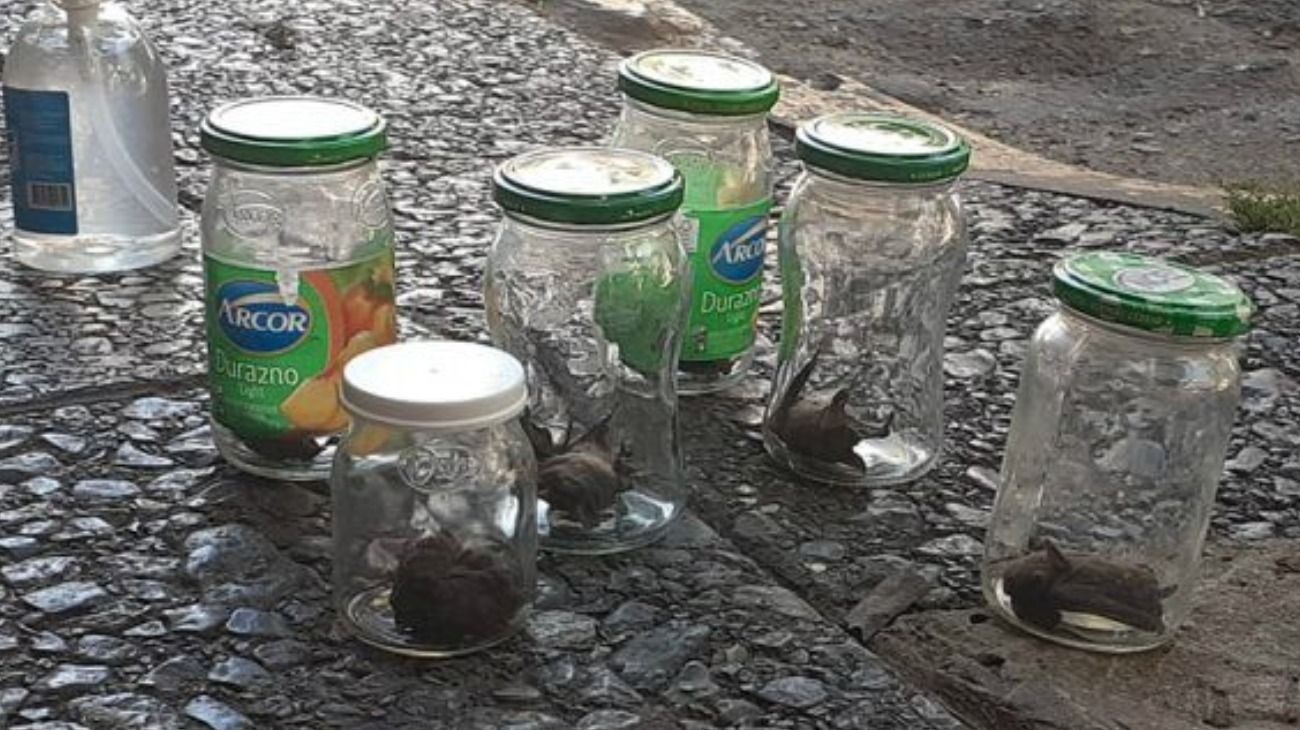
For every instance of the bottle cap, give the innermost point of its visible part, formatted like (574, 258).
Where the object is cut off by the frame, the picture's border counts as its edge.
(441, 386)
(293, 131)
(700, 82)
(882, 148)
(588, 185)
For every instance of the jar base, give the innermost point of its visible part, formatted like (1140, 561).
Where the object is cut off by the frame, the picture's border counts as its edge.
(887, 461)
(1077, 635)
(94, 253)
(644, 520)
(245, 458)
(369, 618)
(710, 376)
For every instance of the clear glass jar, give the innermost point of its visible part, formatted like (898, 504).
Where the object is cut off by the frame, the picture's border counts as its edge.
(872, 246)
(86, 105)
(298, 259)
(707, 114)
(586, 283)
(435, 499)
(1126, 401)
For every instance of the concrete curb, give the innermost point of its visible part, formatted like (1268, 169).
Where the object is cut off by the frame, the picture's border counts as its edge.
(634, 25)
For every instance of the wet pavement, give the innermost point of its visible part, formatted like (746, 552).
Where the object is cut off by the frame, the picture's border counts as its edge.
(145, 584)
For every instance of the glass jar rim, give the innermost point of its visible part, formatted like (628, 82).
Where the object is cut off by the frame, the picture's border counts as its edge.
(519, 186)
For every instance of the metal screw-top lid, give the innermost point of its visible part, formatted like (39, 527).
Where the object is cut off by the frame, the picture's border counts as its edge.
(588, 185)
(698, 81)
(1152, 295)
(444, 386)
(293, 131)
(882, 148)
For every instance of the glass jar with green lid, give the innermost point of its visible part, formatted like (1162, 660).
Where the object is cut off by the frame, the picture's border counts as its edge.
(1127, 398)
(298, 266)
(872, 246)
(587, 284)
(707, 114)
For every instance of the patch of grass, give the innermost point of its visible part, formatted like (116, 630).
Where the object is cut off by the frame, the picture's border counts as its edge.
(1269, 208)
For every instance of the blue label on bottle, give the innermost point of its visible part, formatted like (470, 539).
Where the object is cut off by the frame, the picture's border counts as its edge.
(40, 155)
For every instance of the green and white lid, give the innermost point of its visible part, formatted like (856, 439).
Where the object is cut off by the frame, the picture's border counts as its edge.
(446, 386)
(1152, 295)
(293, 131)
(882, 148)
(588, 185)
(701, 82)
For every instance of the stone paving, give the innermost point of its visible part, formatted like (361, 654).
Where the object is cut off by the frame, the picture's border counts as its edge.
(145, 584)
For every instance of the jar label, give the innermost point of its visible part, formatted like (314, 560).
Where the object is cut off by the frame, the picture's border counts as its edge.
(278, 341)
(40, 149)
(728, 268)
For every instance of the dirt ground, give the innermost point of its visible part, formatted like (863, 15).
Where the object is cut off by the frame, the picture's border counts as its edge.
(1193, 91)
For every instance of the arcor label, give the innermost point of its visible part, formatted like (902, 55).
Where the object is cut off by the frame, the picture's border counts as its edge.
(275, 361)
(728, 268)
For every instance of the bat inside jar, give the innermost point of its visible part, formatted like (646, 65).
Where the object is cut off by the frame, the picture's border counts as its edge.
(1054, 590)
(820, 427)
(579, 477)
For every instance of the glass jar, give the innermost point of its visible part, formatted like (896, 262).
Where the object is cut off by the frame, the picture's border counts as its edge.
(1126, 402)
(298, 263)
(86, 105)
(872, 246)
(707, 114)
(435, 499)
(586, 283)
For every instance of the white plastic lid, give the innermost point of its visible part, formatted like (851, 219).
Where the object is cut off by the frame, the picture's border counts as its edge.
(445, 386)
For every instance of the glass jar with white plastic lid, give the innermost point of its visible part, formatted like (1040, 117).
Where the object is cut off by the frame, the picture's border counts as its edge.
(706, 113)
(1126, 401)
(434, 499)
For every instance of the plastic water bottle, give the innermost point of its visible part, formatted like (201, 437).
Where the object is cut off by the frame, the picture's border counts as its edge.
(93, 184)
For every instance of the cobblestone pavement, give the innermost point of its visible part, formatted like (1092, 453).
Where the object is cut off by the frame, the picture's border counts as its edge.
(144, 584)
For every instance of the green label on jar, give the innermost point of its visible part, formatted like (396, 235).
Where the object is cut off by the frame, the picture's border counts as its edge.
(639, 312)
(277, 347)
(728, 268)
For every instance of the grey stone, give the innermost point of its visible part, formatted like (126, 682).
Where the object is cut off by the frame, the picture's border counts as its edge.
(631, 615)
(696, 680)
(65, 597)
(892, 596)
(216, 714)
(1252, 531)
(174, 674)
(736, 712)
(972, 364)
(31, 464)
(1247, 460)
(776, 599)
(235, 565)
(147, 630)
(11, 698)
(153, 409)
(106, 649)
(239, 672)
(18, 547)
(561, 629)
(67, 443)
(37, 570)
(521, 693)
(106, 489)
(952, 545)
(74, 677)
(252, 622)
(131, 456)
(42, 486)
(283, 654)
(125, 711)
(649, 661)
(968, 516)
(797, 692)
(48, 642)
(756, 526)
(609, 720)
(822, 550)
(197, 618)
(55, 725)
(12, 436)
(984, 477)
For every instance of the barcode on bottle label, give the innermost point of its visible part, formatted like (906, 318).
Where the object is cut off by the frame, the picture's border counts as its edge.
(44, 189)
(49, 196)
